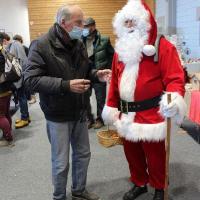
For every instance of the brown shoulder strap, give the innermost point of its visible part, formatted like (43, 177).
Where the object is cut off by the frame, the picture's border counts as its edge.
(157, 43)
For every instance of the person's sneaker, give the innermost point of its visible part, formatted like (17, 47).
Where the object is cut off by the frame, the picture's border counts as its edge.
(85, 196)
(135, 192)
(21, 124)
(18, 120)
(4, 142)
(159, 195)
(98, 124)
(33, 99)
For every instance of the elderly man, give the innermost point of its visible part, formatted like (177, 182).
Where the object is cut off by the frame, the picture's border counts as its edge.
(58, 69)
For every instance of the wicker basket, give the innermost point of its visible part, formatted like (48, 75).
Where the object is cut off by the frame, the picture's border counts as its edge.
(109, 138)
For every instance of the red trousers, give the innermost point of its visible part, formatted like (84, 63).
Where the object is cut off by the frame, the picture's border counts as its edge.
(146, 162)
(5, 118)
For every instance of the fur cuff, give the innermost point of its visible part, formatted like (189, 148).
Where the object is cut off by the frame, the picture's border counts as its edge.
(110, 115)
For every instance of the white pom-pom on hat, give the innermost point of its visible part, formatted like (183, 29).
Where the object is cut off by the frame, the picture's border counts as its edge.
(149, 50)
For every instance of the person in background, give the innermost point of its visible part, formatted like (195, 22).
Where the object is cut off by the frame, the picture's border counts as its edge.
(7, 41)
(30, 97)
(16, 48)
(58, 69)
(137, 101)
(100, 53)
(5, 95)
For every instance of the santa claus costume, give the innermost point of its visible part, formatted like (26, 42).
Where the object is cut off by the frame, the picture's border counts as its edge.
(137, 99)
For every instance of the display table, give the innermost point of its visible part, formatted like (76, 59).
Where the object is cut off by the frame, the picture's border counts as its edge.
(194, 110)
(192, 67)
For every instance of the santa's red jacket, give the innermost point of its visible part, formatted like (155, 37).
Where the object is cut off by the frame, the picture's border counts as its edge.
(152, 79)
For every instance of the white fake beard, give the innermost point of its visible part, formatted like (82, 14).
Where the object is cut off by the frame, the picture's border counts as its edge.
(129, 47)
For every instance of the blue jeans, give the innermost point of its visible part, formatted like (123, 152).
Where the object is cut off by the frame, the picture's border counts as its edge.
(23, 104)
(100, 92)
(60, 136)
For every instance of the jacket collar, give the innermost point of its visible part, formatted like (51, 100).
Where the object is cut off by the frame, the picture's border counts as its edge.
(59, 38)
(97, 39)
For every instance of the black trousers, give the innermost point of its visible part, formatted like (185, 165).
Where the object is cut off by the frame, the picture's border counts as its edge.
(100, 93)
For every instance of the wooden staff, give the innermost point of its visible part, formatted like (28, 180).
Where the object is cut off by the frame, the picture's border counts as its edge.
(167, 147)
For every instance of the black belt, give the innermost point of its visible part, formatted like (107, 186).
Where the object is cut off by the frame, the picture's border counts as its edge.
(137, 106)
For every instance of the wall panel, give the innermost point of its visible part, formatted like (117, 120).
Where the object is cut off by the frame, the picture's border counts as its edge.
(42, 13)
(14, 18)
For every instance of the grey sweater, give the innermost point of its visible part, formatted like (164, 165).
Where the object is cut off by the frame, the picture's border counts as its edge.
(17, 49)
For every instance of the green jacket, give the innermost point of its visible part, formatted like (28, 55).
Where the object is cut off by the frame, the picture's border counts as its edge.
(103, 52)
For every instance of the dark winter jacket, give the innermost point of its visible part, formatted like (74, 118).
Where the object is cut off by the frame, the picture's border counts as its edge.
(54, 59)
(4, 86)
(103, 52)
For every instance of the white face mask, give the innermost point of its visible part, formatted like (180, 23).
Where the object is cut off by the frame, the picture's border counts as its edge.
(76, 33)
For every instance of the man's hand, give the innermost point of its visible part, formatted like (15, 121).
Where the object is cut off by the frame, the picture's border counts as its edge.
(79, 85)
(104, 75)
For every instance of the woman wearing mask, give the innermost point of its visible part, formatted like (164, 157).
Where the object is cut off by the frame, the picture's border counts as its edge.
(5, 95)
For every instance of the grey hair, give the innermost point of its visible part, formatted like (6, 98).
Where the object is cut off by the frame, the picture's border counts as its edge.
(63, 13)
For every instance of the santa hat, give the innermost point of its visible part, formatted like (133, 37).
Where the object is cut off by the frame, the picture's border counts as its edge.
(145, 22)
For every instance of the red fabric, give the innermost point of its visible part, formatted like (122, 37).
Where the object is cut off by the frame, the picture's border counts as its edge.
(153, 31)
(153, 79)
(194, 114)
(147, 159)
(5, 119)
(118, 67)
(146, 163)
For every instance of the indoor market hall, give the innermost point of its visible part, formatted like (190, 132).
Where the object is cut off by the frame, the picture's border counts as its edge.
(99, 100)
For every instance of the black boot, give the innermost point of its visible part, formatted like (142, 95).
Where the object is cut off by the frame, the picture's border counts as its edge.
(134, 192)
(90, 124)
(159, 195)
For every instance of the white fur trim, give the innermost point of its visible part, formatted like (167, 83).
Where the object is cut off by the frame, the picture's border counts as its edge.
(141, 132)
(129, 44)
(129, 48)
(179, 102)
(133, 10)
(135, 132)
(128, 82)
(149, 50)
(110, 114)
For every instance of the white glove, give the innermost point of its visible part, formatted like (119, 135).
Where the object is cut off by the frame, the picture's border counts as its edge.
(176, 108)
(168, 110)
